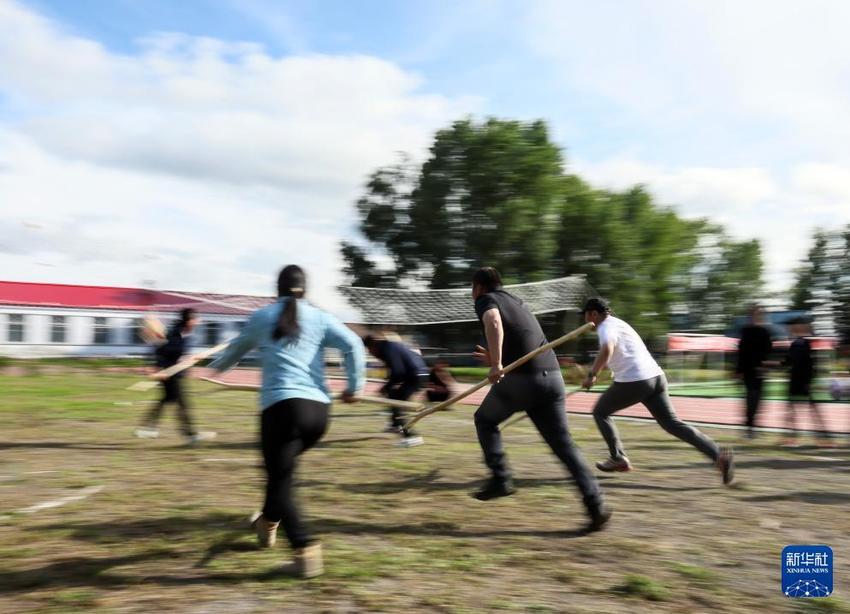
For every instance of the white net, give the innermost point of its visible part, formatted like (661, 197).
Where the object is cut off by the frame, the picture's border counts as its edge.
(396, 307)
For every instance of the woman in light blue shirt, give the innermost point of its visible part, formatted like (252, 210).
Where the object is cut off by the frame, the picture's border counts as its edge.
(291, 335)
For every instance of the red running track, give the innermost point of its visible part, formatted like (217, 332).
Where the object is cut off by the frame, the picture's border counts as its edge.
(724, 412)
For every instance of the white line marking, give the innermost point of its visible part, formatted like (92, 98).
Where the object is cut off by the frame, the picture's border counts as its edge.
(826, 459)
(84, 493)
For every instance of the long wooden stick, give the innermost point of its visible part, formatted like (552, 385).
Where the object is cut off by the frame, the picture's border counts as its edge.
(155, 378)
(514, 365)
(524, 415)
(359, 398)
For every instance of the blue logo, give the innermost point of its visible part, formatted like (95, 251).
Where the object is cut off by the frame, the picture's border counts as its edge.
(807, 571)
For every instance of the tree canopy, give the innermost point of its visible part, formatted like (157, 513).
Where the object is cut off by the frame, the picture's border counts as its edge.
(822, 282)
(497, 193)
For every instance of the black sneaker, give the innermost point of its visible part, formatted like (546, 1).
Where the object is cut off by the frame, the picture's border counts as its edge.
(495, 488)
(726, 465)
(599, 517)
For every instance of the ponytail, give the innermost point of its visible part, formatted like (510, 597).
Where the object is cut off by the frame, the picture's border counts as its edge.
(290, 283)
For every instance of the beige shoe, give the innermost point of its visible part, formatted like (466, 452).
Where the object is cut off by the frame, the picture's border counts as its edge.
(266, 531)
(308, 562)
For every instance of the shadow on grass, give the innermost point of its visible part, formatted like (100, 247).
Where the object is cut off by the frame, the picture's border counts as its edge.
(99, 572)
(429, 482)
(331, 442)
(781, 464)
(344, 442)
(437, 529)
(61, 445)
(810, 496)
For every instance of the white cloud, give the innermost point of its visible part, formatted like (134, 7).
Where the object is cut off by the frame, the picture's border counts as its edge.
(198, 163)
(742, 109)
(702, 67)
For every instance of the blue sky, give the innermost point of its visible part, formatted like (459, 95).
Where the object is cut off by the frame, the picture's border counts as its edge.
(229, 119)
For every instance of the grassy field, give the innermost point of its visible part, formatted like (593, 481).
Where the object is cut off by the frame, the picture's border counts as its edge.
(152, 526)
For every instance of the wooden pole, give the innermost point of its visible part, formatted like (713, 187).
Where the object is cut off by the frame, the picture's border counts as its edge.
(155, 378)
(514, 365)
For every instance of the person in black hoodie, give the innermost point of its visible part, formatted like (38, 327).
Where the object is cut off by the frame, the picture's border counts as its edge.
(407, 373)
(800, 362)
(753, 351)
(167, 355)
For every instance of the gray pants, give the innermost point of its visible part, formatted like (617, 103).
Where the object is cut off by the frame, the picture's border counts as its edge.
(653, 394)
(541, 395)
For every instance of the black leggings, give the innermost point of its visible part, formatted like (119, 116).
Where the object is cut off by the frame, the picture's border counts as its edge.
(289, 428)
(402, 392)
(172, 392)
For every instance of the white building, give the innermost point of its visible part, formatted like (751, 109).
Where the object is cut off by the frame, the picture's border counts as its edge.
(38, 320)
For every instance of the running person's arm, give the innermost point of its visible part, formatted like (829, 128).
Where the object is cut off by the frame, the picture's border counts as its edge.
(494, 332)
(342, 338)
(247, 340)
(606, 348)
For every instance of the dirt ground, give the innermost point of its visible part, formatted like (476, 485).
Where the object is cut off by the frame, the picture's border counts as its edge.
(155, 526)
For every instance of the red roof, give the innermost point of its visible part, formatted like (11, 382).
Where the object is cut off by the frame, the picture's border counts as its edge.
(26, 294)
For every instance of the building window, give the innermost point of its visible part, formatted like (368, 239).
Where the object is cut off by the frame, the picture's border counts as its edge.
(101, 331)
(58, 329)
(211, 332)
(136, 333)
(15, 330)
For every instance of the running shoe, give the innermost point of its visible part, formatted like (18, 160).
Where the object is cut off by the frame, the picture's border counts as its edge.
(201, 436)
(621, 464)
(265, 529)
(599, 517)
(495, 488)
(147, 433)
(726, 465)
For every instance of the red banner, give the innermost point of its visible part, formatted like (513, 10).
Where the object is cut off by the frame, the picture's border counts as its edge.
(719, 343)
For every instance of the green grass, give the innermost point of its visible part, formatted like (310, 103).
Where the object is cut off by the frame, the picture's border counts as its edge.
(646, 588)
(828, 605)
(400, 533)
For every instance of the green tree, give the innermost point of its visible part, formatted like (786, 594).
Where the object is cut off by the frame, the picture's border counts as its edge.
(496, 193)
(487, 193)
(822, 283)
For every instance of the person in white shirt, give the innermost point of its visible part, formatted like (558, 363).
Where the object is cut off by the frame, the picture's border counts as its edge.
(637, 379)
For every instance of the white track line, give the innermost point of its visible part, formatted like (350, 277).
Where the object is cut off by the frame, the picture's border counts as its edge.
(84, 493)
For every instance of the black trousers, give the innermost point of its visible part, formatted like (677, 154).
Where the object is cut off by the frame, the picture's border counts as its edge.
(402, 392)
(652, 393)
(172, 392)
(800, 391)
(289, 428)
(541, 395)
(754, 385)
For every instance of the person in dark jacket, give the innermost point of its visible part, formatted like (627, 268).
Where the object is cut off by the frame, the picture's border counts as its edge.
(407, 373)
(800, 362)
(441, 384)
(753, 352)
(167, 355)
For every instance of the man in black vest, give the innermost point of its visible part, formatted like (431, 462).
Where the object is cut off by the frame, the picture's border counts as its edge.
(512, 331)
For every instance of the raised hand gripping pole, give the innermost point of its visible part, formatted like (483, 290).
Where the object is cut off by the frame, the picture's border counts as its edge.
(514, 365)
(155, 378)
